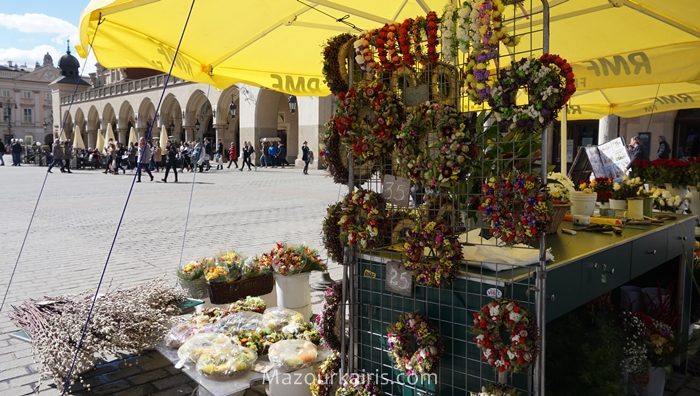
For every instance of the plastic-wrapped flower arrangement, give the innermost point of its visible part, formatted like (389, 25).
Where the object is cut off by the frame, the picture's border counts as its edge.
(295, 259)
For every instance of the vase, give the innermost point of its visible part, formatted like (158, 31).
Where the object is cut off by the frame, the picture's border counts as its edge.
(648, 206)
(694, 198)
(196, 288)
(618, 204)
(635, 208)
(294, 292)
(657, 381)
(582, 203)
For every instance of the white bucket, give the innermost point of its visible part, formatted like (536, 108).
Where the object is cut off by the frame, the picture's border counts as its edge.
(293, 291)
(582, 203)
(635, 209)
(295, 383)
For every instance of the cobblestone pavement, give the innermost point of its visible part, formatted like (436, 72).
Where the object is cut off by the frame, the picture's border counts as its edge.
(77, 216)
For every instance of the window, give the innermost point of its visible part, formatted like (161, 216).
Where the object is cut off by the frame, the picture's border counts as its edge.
(26, 94)
(27, 116)
(5, 93)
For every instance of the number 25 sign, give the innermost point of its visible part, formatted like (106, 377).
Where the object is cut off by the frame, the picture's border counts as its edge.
(398, 279)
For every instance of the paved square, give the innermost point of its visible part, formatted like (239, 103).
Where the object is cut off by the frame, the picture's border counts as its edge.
(78, 214)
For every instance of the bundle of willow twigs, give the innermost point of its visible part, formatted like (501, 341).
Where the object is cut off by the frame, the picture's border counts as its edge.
(126, 321)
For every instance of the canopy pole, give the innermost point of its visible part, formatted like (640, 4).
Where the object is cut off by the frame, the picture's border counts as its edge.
(564, 141)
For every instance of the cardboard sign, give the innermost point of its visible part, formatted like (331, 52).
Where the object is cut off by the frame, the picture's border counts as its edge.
(396, 190)
(398, 279)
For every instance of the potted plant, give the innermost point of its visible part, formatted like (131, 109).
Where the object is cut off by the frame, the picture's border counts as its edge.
(583, 199)
(625, 189)
(291, 265)
(660, 340)
(233, 277)
(191, 278)
(559, 189)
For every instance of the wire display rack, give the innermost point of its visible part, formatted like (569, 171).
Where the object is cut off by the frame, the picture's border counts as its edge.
(370, 307)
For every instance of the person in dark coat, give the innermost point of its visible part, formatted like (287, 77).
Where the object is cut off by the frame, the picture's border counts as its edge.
(247, 152)
(2, 153)
(664, 150)
(57, 154)
(170, 161)
(305, 157)
(143, 158)
(67, 156)
(16, 149)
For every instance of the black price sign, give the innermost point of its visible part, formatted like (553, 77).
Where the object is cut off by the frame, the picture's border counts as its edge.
(396, 190)
(398, 279)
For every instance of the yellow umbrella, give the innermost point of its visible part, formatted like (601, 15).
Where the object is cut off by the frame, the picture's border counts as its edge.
(78, 139)
(100, 145)
(132, 136)
(109, 135)
(276, 43)
(163, 136)
(62, 137)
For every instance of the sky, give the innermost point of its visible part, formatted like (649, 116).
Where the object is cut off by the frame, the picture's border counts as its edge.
(31, 28)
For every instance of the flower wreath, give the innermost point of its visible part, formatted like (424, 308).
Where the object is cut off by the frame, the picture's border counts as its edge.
(546, 92)
(322, 384)
(516, 353)
(414, 344)
(484, 32)
(437, 236)
(364, 56)
(336, 80)
(386, 43)
(367, 119)
(446, 160)
(331, 232)
(358, 385)
(516, 207)
(443, 84)
(405, 73)
(325, 322)
(362, 216)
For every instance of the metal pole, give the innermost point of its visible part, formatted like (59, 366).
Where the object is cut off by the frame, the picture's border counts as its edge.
(348, 259)
(541, 279)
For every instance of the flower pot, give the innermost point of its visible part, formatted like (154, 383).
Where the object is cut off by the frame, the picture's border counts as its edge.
(228, 292)
(635, 208)
(657, 381)
(648, 206)
(582, 203)
(196, 288)
(618, 204)
(293, 291)
(558, 212)
(631, 298)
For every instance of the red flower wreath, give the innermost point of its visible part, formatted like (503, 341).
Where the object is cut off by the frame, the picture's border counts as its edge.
(386, 46)
(516, 207)
(405, 41)
(437, 237)
(516, 352)
(431, 29)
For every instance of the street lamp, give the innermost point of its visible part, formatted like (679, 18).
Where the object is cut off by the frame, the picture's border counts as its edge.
(232, 109)
(292, 101)
(7, 114)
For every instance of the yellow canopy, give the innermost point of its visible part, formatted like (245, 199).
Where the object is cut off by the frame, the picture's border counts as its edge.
(100, 145)
(78, 139)
(277, 43)
(132, 136)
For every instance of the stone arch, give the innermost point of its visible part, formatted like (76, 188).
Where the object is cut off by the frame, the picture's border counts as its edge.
(198, 112)
(109, 117)
(145, 117)
(125, 120)
(274, 119)
(171, 117)
(67, 125)
(92, 126)
(80, 122)
(225, 123)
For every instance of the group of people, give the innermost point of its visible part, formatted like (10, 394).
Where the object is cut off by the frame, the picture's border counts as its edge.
(15, 150)
(637, 150)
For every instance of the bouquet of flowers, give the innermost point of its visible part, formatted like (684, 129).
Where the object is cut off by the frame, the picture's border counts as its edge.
(603, 186)
(659, 339)
(192, 270)
(232, 261)
(665, 201)
(559, 186)
(627, 188)
(218, 273)
(291, 260)
(634, 353)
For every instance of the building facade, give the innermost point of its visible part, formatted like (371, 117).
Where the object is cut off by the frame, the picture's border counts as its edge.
(25, 101)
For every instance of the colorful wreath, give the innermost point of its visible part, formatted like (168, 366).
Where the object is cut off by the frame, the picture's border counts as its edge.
(367, 119)
(405, 42)
(405, 73)
(447, 158)
(505, 318)
(386, 44)
(443, 84)
(322, 384)
(438, 238)
(547, 93)
(484, 32)
(331, 232)
(516, 207)
(332, 66)
(358, 385)
(362, 216)
(453, 26)
(325, 321)
(364, 56)
(414, 344)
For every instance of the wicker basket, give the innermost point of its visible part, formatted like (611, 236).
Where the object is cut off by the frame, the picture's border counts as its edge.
(224, 293)
(195, 288)
(558, 212)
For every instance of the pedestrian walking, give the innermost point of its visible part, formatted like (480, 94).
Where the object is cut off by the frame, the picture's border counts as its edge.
(247, 152)
(57, 154)
(157, 156)
(232, 156)
(219, 155)
(283, 155)
(170, 161)
(2, 153)
(119, 159)
(664, 150)
(16, 149)
(185, 155)
(67, 155)
(306, 157)
(145, 154)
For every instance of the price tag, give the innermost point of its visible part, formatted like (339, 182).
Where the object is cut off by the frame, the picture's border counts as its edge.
(396, 190)
(398, 279)
(369, 274)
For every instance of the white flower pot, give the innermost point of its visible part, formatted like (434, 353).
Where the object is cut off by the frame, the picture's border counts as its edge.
(635, 209)
(582, 203)
(618, 204)
(293, 291)
(657, 381)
